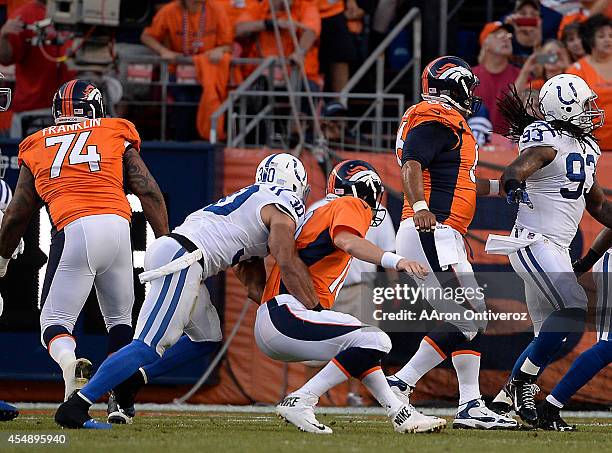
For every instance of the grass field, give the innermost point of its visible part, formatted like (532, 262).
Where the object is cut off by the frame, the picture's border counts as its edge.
(258, 432)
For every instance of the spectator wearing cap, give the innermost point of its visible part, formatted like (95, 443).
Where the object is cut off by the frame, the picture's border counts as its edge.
(332, 127)
(586, 9)
(596, 68)
(527, 23)
(570, 37)
(494, 70)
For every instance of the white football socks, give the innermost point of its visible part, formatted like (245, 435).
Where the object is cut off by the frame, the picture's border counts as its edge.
(467, 366)
(62, 351)
(330, 376)
(426, 358)
(376, 383)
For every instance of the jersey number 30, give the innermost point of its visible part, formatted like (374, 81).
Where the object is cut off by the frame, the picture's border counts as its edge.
(75, 144)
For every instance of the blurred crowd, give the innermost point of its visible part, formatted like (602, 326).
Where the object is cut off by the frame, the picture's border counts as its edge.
(327, 39)
(535, 42)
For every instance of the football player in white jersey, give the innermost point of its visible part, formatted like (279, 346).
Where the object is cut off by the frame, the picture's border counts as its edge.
(227, 233)
(599, 356)
(553, 181)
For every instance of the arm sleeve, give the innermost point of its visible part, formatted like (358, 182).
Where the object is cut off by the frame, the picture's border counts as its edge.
(425, 141)
(350, 214)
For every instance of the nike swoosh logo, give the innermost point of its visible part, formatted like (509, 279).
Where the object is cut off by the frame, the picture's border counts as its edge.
(319, 427)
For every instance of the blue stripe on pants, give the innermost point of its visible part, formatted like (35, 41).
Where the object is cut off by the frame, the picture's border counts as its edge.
(160, 299)
(536, 281)
(171, 309)
(547, 281)
(604, 305)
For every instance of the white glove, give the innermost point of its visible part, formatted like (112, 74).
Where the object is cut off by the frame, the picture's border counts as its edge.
(1, 305)
(3, 265)
(19, 250)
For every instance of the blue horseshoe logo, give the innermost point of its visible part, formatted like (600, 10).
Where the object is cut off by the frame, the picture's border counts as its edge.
(571, 101)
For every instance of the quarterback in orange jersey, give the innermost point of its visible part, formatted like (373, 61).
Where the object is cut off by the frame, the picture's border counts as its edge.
(77, 169)
(437, 153)
(286, 330)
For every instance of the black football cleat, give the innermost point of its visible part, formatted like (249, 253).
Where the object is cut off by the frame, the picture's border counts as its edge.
(550, 419)
(523, 397)
(118, 415)
(121, 401)
(7, 412)
(74, 414)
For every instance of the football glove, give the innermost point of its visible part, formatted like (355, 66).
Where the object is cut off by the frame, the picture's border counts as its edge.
(517, 196)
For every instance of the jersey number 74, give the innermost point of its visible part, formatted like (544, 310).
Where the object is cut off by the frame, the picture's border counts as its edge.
(75, 144)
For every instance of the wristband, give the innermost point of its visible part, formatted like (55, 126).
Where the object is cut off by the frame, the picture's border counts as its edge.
(493, 187)
(511, 184)
(268, 24)
(420, 206)
(390, 260)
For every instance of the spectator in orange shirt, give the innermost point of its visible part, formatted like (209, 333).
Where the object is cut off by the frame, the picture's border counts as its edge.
(570, 37)
(587, 8)
(596, 69)
(189, 28)
(257, 22)
(31, 91)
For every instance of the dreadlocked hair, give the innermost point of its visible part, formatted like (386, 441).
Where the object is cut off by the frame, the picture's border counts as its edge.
(518, 115)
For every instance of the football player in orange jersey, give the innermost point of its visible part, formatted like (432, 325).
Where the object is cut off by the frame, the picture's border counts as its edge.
(77, 168)
(437, 153)
(286, 330)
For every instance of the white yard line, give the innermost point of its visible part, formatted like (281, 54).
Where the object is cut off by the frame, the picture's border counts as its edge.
(347, 411)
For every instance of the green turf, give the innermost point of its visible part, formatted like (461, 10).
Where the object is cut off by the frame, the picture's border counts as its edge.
(246, 433)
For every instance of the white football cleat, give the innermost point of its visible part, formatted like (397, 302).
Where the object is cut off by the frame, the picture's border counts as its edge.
(76, 375)
(400, 388)
(408, 420)
(298, 409)
(476, 415)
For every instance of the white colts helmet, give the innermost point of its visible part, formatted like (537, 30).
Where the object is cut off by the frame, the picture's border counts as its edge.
(284, 170)
(569, 98)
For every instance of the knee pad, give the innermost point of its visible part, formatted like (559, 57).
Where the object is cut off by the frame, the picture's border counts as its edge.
(119, 336)
(52, 332)
(357, 361)
(384, 342)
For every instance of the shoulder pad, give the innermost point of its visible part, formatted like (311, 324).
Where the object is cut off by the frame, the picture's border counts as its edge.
(428, 111)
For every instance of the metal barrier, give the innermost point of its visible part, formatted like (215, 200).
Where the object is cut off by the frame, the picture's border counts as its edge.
(378, 57)
(163, 80)
(272, 124)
